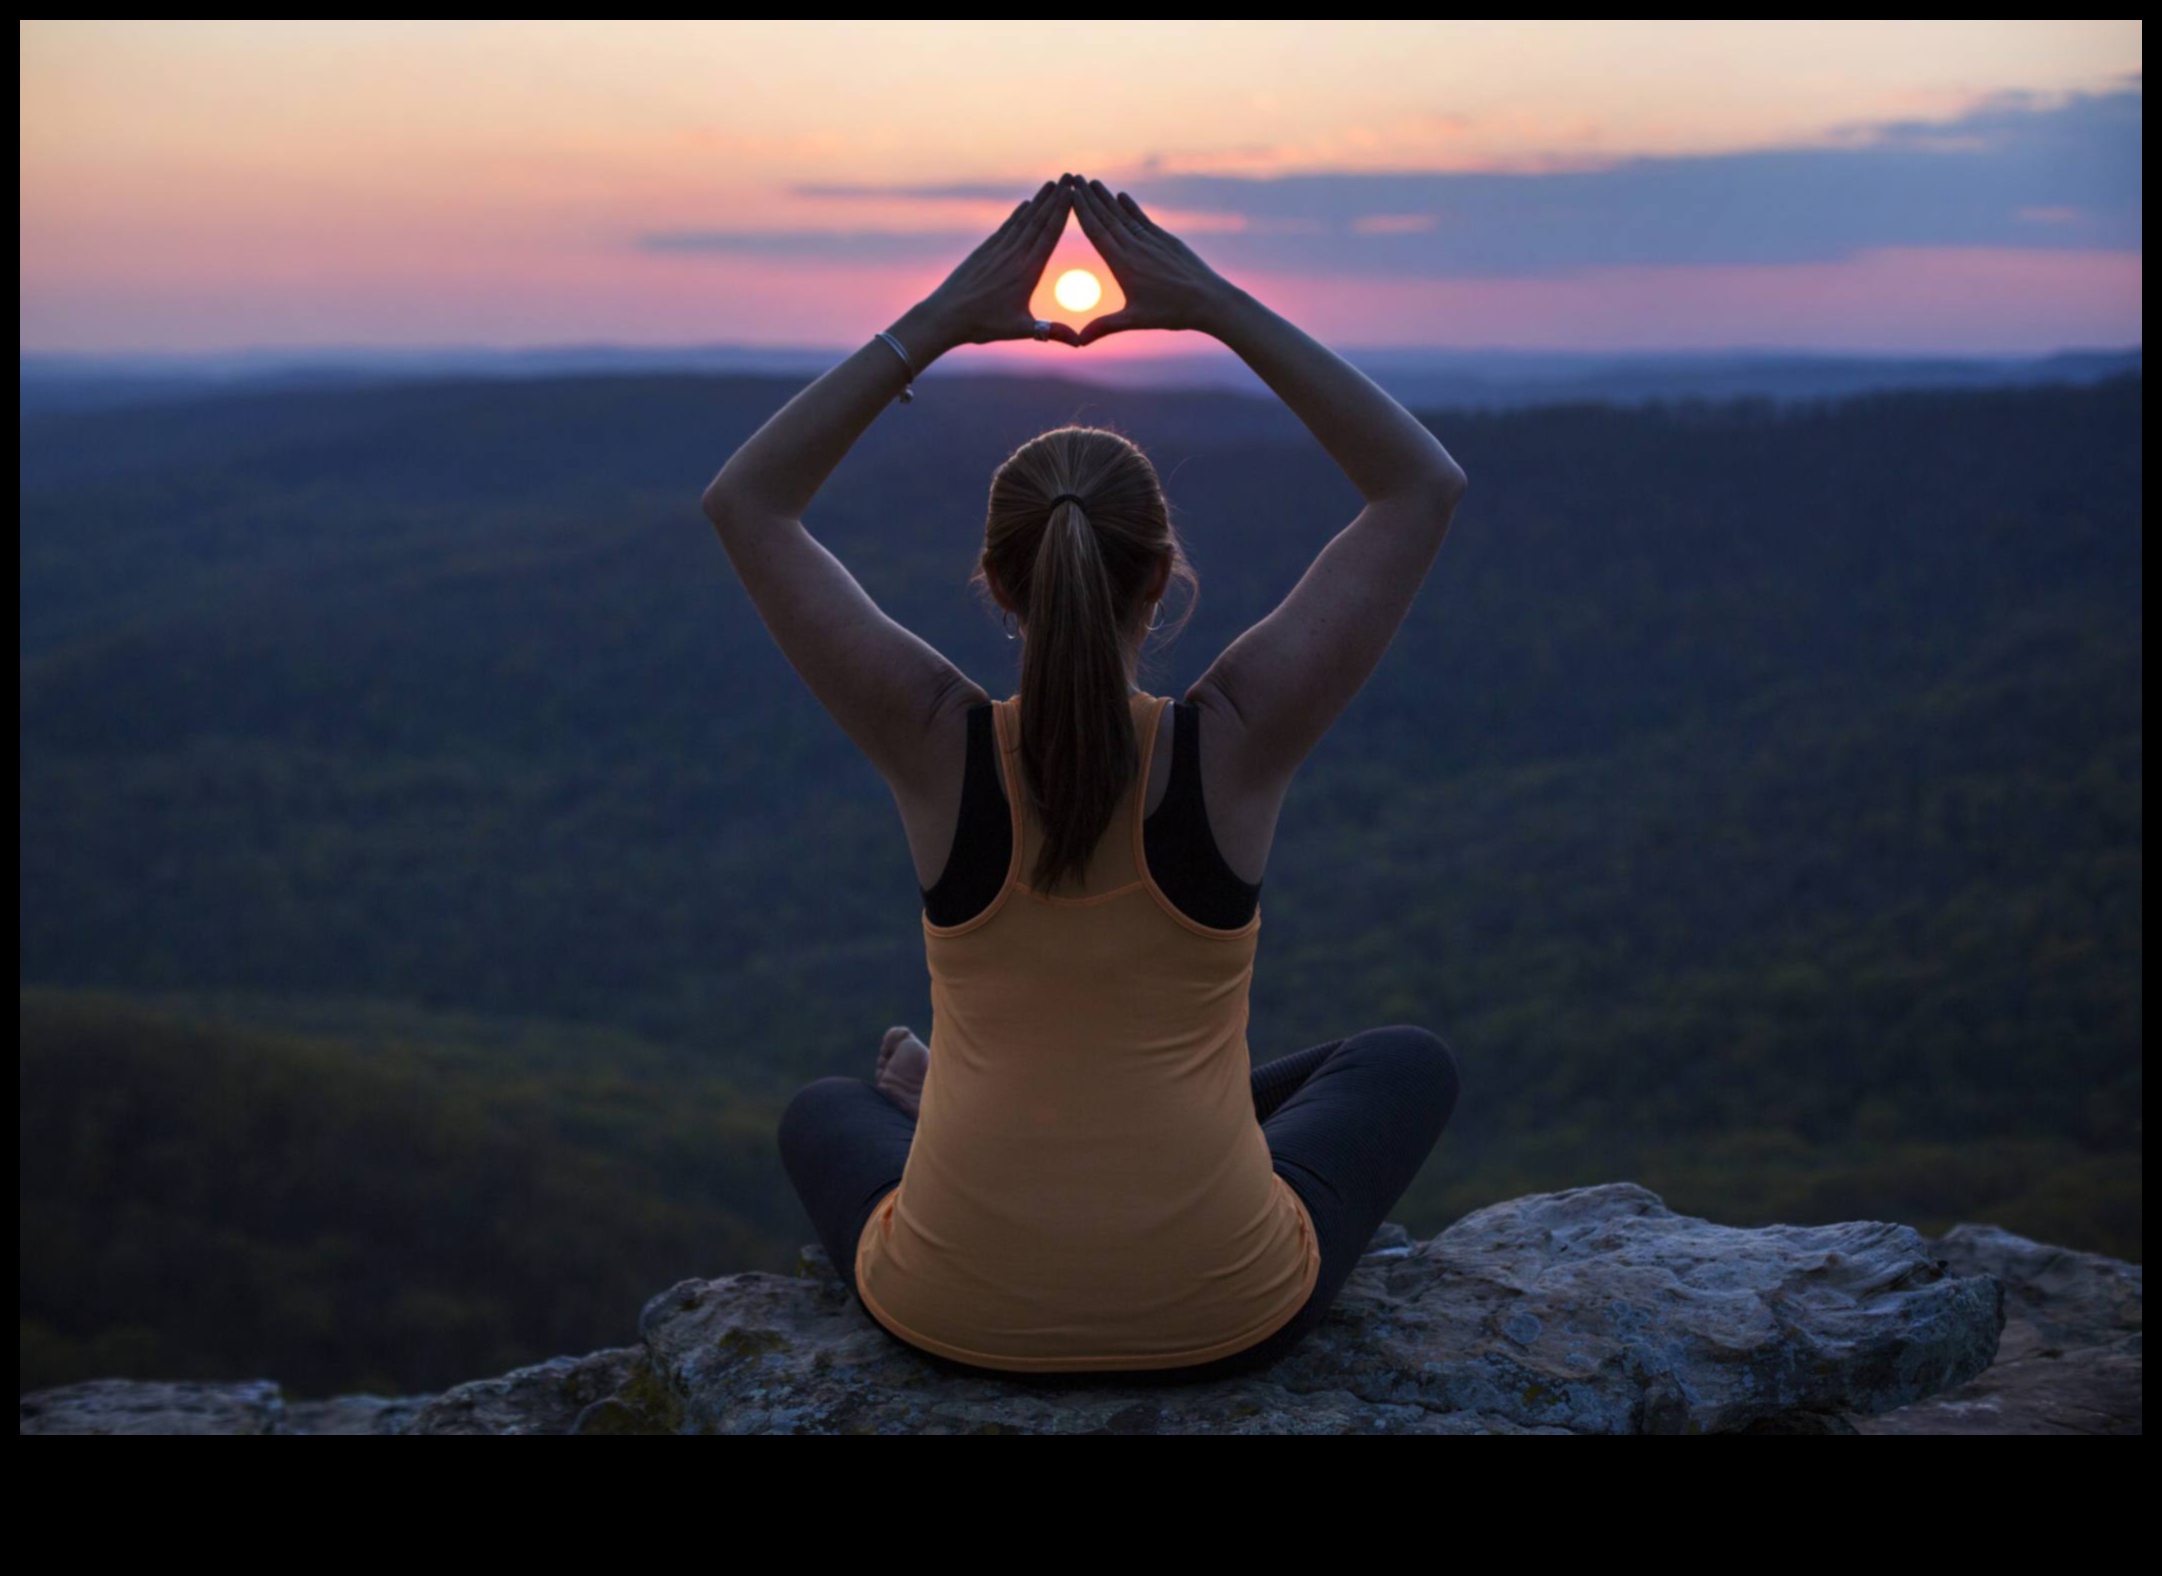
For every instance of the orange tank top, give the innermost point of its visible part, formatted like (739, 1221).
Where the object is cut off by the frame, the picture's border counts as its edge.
(1088, 1187)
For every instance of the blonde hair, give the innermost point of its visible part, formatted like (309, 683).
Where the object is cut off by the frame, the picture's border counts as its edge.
(1077, 570)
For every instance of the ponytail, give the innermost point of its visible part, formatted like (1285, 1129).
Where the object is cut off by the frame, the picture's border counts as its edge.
(1077, 735)
(1077, 539)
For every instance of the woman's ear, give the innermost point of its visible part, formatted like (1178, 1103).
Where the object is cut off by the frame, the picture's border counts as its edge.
(1160, 582)
(998, 592)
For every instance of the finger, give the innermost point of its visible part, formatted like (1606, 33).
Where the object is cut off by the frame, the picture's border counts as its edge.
(1045, 207)
(1084, 209)
(1102, 327)
(1046, 194)
(1024, 327)
(1133, 212)
(1017, 222)
(1005, 230)
(1089, 208)
(1133, 236)
(1042, 240)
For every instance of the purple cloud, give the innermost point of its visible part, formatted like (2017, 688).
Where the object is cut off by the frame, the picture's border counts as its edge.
(2014, 172)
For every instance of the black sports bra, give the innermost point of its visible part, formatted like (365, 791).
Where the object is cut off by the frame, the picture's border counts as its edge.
(1181, 851)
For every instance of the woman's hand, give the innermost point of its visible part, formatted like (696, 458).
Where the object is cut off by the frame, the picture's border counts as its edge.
(1165, 284)
(986, 298)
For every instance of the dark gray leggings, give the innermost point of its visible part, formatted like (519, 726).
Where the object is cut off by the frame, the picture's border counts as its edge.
(1348, 1124)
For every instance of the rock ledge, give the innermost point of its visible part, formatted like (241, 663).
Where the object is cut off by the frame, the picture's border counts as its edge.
(1594, 1311)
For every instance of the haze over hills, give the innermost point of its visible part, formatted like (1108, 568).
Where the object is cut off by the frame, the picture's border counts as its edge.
(1431, 379)
(1754, 800)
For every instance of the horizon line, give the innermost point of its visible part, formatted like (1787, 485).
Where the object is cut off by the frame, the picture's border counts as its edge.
(418, 350)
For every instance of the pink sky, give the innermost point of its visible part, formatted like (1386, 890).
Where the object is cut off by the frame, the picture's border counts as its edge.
(199, 186)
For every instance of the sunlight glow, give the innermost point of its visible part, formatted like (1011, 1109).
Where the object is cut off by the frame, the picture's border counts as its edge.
(1077, 290)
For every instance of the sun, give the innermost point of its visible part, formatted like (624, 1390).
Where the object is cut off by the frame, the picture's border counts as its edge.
(1077, 290)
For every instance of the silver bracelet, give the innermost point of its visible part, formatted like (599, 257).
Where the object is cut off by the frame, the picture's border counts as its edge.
(908, 389)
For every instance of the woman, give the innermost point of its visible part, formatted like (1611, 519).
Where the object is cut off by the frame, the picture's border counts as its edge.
(1080, 1172)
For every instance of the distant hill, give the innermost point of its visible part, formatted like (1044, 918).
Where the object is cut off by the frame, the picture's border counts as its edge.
(1503, 382)
(1754, 800)
(1432, 379)
(384, 1210)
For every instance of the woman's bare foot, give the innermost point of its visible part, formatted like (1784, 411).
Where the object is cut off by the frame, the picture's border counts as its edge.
(902, 1061)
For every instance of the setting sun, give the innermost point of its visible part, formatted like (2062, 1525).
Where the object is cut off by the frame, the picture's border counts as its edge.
(1077, 290)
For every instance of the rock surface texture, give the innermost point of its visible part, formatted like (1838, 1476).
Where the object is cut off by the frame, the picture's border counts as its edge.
(255, 1406)
(2070, 1359)
(1592, 1311)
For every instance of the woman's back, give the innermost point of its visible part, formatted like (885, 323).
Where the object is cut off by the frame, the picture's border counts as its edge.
(1089, 1186)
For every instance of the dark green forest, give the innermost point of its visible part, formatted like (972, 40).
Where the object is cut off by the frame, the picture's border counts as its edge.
(391, 1212)
(432, 880)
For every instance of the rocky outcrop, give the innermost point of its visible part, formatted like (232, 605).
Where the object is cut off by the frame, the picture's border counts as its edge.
(256, 1406)
(548, 1398)
(1592, 1311)
(127, 1406)
(2070, 1358)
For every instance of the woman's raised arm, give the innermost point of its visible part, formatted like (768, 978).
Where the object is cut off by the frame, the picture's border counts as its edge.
(1277, 688)
(895, 696)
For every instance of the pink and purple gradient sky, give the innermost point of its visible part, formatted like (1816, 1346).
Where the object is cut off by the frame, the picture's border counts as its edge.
(1896, 187)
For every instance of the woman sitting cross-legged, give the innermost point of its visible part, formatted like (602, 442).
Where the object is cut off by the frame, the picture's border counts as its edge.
(1082, 1170)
